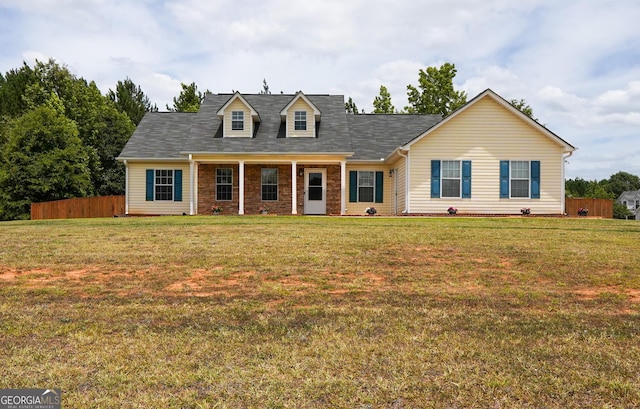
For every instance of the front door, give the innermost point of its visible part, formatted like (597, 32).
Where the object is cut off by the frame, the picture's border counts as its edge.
(315, 188)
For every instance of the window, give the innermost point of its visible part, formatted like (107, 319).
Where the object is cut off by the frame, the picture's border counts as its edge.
(237, 121)
(269, 184)
(224, 184)
(637, 204)
(366, 186)
(451, 178)
(520, 179)
(300, 121)
(164, 184)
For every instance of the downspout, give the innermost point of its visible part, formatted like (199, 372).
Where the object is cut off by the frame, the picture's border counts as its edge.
(564, 193)
(191, 183)
(406, 180)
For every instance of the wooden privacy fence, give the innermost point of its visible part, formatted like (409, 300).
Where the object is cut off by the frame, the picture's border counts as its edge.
(597, 207)
(101, 206)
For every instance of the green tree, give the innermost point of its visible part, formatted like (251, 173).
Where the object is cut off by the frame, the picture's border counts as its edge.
(129, 98)
(382, 103)
(43, 159)
(577, 187)
(435, 93)
(621, 182)
(523, 107)
(351, 107)
(13, 86)
(189, 99)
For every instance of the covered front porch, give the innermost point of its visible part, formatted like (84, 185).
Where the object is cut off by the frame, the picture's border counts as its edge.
(277, 185)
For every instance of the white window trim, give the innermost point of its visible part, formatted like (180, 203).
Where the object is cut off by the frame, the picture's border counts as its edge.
(511, 178)
(459, 178)
(224, 184)
(277, 185)
(156, 184)
(297, 121)
(373, 186)
(240, 114)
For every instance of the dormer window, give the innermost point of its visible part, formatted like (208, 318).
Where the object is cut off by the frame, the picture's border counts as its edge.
(237, 121)
(300, 120)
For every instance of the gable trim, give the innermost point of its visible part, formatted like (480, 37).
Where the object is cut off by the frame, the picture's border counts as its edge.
(254, 114)
(488, 93)
(300, 95)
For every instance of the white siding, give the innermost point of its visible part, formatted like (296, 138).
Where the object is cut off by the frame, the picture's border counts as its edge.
(486, 133)
(136, 194)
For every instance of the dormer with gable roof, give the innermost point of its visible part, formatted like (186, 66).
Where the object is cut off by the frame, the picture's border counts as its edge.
(300, 116)
(238, 117)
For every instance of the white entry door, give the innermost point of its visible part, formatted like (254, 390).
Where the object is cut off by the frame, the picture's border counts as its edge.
(315, 191)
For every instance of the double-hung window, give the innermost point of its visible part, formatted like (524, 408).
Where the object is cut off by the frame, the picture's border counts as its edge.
(237, 120)
(366, 186)
(451, 179)
(300, 120)
(164, 184)
(270, 184)
(224, 184)
(520, 179)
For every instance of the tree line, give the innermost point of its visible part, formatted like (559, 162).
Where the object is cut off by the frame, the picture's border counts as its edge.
(59, 135)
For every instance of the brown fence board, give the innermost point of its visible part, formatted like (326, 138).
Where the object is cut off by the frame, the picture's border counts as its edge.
(86, 207)
(597, 207)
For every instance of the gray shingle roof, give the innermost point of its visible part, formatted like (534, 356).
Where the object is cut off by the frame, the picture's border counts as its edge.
(368, 137)
(375, 136)
(160, 135)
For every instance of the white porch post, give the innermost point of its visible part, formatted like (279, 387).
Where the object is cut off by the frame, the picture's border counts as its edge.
(192, 178)
(294, 188)
(343, 187)
(241, 187)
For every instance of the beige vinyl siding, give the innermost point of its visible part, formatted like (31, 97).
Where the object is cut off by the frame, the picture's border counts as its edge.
(136, 189)
(486, 133)
(400, 181)
(238, 105)
(301, 105)
(383, 208)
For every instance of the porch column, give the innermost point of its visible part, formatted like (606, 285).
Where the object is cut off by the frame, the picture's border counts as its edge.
(240, 187)
(343, 186)
(294, 188)
(192, 179)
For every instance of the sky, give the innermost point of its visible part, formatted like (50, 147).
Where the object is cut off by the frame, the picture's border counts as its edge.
(575, 62)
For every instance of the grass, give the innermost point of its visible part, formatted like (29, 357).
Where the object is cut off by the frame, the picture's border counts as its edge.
(301, 312)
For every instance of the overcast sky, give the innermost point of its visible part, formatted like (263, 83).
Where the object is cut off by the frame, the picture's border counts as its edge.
(577, 63)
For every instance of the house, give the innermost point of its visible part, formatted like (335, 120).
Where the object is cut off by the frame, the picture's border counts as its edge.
(303, 154)
(631, 199)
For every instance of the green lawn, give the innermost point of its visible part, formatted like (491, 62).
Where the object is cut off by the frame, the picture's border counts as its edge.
(304, 312)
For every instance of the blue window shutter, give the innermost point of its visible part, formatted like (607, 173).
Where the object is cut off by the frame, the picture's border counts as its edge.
(177, 185)
(504, 179)
(150, 183)
(353, 186)
(379, 187)
(535, 179)
(466, 179)
(435, 178)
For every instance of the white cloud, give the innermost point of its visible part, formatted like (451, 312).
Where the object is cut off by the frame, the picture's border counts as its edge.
(575, 63)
